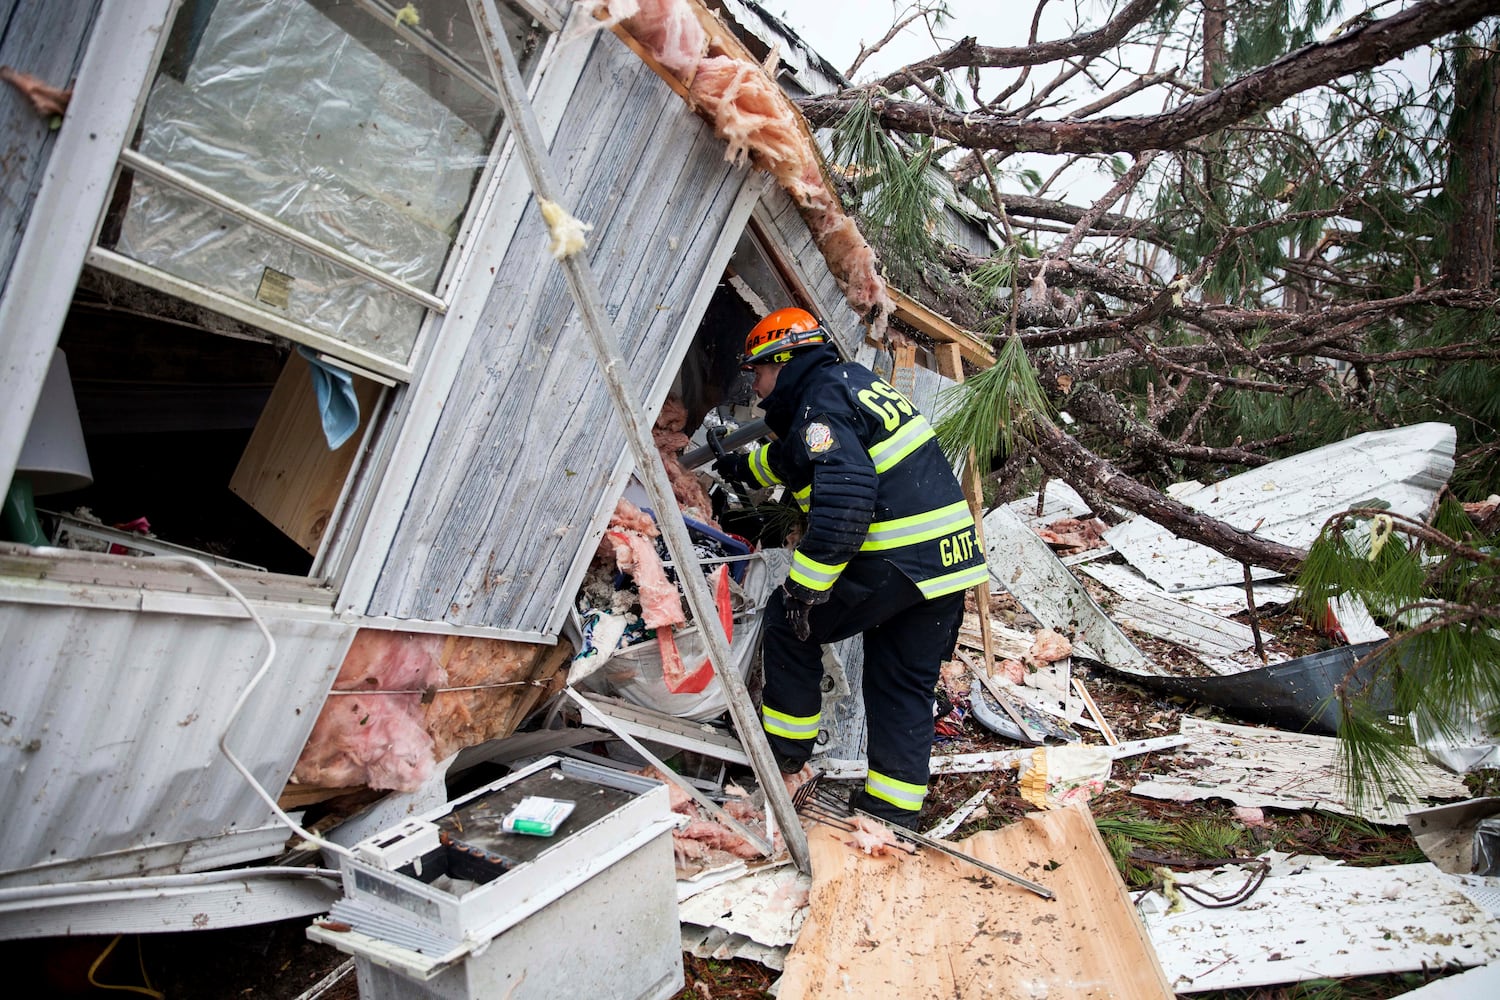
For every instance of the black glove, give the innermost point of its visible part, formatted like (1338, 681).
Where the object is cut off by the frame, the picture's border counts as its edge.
(732, 467)
(797, 613)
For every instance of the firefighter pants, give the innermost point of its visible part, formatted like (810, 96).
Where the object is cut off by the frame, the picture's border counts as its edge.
(906, 640)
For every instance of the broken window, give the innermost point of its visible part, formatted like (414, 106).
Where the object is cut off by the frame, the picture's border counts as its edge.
(307, 165)
(287, 211)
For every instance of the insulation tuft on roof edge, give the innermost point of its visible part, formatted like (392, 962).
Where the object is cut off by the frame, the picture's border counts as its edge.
(750, 112)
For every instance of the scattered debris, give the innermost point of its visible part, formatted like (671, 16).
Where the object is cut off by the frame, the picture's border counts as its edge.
(1297, 694)
(1268, 767)
(756, 915)
(1058, 776)
(1291, 498)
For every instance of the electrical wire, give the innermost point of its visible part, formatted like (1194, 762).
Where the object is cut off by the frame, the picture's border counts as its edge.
(244, 696)
(147, 990)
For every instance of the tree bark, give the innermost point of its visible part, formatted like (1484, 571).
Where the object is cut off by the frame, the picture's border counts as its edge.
(1062, 455)
(1472, 172)
(1360, 48)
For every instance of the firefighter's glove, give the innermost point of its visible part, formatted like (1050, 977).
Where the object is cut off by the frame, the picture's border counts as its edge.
(732, 467)
(799, 602)
(797, 614)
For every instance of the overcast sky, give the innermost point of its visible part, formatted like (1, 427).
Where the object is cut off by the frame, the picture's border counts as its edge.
(836, 28)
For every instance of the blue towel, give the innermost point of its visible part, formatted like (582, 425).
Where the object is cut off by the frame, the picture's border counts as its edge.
(337, 404)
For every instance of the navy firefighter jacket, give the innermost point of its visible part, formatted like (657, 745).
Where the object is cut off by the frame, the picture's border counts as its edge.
(866, 468)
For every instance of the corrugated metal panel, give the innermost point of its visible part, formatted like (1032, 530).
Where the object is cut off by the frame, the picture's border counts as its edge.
(46, 39)
(528, 444)
(110, 720)
(1287, 501)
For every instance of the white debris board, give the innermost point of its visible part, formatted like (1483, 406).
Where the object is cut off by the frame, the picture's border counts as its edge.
(1281, 770)
(1290, 500)
(767, 906)
(1029, 570)
(1313, 919)
(1127, 582)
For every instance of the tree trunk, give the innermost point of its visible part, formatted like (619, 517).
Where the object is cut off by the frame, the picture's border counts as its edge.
(1065, 458)
(1472, 172)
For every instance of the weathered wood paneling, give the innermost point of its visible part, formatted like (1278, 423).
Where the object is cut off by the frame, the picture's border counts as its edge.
(45, 38)
(529, 442)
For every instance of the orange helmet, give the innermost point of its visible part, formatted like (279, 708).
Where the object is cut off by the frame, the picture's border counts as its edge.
(774, 338)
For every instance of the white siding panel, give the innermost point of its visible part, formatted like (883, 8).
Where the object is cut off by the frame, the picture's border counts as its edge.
(110, 720)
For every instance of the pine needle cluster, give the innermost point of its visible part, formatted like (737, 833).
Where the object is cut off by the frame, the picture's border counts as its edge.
(1437, 588)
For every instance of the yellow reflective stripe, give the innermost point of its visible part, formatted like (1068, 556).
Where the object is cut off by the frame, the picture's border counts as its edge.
(912, 435)
(803, 497)
(760, 466)
(918, 527)
(901, 794)
(812, 574)
(961, 580)
(790, 726)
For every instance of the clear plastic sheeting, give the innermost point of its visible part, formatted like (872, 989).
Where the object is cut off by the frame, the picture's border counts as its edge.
(333, 119)
(197, 242)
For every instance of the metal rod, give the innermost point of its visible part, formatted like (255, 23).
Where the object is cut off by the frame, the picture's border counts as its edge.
(743, 434)
(818, 801)
(159, 171)
(761, 844)
(585, 290)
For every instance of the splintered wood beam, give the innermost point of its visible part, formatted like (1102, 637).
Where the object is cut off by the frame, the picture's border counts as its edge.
(942, 329)
(583, 284)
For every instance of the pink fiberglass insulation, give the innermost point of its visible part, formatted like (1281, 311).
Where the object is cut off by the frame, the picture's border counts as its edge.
(635, 553)
(755, 118)
(748, 112)
(670, 442)
(376, 739)
(460, 718)
(670, 31)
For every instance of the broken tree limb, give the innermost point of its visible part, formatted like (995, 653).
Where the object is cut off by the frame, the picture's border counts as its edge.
(604, 342)
(1360, 48)
(1062, 455)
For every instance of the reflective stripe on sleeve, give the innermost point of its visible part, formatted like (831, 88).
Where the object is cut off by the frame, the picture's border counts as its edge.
(918, 527)
(901, 794)
(760, 466)
(804, 497)
(961, 580)
(812, 574)
(791, 727)
(912, 435)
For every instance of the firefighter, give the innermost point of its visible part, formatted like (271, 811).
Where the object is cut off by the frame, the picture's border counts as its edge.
(888, 551)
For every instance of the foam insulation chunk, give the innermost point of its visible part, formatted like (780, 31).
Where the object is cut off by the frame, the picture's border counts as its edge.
(566, 231)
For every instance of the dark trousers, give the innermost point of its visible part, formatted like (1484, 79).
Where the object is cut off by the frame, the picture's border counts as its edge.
(907, 638)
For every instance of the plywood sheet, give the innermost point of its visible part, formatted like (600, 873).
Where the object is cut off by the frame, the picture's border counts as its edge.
(926, 926)
(287, 472)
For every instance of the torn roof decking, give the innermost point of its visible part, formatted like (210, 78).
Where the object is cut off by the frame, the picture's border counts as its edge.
(1312, 918)
(1287, 501)
(528, 445)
